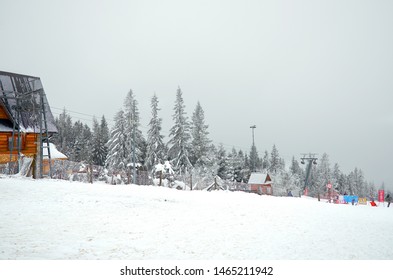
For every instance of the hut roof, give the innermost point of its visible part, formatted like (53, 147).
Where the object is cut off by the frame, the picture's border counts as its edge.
(54, 152)
(258, 178)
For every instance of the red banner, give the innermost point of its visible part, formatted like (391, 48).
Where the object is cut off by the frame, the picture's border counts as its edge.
(381, 195)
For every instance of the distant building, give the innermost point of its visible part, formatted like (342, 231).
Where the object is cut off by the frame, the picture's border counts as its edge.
(55, 155)
(260, 183)
(22, 103)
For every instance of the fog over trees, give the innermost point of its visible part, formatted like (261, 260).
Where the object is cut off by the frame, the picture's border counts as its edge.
(190, 154)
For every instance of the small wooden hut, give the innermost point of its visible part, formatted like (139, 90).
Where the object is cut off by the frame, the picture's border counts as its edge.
(260, 183)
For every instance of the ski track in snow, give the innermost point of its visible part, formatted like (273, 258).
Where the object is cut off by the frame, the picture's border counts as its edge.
(49, 219)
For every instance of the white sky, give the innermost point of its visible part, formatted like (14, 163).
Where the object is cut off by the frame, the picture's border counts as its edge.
(313, 76)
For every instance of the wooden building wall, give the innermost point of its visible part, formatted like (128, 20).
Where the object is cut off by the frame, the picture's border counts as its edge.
(28, 142)
(261, 189)
(28, 147)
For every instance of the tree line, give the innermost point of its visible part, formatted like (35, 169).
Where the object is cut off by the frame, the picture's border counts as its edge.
(190, 151)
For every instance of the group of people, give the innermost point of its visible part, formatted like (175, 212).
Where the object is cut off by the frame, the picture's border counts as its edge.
(388, 199)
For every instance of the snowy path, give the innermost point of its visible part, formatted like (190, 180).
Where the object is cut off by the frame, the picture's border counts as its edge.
(49, 219)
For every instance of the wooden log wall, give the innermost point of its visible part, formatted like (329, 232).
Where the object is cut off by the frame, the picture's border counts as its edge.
(29, 146)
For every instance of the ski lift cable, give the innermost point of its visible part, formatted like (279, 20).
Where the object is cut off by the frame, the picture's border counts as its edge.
(145, 128)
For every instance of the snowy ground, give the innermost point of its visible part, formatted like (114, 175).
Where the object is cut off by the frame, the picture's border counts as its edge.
(48, 219)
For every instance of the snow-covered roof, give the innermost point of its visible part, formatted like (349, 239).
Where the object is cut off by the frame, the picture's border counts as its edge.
(257, 178)
(54, 152)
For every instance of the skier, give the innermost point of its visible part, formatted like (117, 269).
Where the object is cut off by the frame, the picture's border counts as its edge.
(388, 199)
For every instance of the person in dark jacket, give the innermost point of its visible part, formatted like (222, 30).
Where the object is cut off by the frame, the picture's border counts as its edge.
(388, 199)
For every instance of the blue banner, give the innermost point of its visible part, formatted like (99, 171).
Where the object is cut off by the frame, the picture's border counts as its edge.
(350, 198)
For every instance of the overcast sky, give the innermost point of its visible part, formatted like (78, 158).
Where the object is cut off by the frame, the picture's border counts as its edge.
(313, 76)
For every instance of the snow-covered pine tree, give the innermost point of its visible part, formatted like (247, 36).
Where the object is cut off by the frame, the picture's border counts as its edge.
(231, 168)
(246, 162)
(372, 190)
(131, 114)
(180, 136)
(242, 173)
(86, 144)
(104, 132)
(322, 175)
(359, 186)
(275, 161)
(64, 138)
(79, 142)
(212, 167)
(155, 150)
(100, 139)
(295, 167)
(234, 165)
(282, 164)
(95, 142)
(265, 161)
(297, 174)
(350, 183)
(73, 140)
(284, 181)
(223, 168)
(118, 155)
(337, 182)
(203, 175)
(76, 142)
(200, 141)
(342, 183)
(254, 158)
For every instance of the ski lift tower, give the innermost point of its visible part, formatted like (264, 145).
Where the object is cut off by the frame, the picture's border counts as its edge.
(312, 159)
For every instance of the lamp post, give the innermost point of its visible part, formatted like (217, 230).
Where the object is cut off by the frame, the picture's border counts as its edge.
(253, 154)
(253, 127)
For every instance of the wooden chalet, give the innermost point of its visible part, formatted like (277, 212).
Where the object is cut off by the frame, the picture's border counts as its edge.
(23, 111)
(260, 183)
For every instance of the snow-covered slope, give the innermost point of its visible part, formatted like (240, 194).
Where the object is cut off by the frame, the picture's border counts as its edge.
(48, 219)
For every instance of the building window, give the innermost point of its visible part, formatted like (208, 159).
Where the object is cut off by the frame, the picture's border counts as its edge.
(13, 143)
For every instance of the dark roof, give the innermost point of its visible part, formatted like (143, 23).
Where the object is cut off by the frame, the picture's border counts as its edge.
(27, 90)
